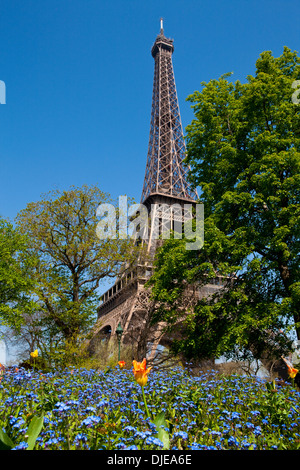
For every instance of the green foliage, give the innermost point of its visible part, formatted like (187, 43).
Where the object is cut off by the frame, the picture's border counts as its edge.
(34, 429)
(106, 355)
(162, 432)
(5, 442)
(277, 406)
(71, 261)
(244, 153)
(67, 353)
(15, 282)
(73, 353)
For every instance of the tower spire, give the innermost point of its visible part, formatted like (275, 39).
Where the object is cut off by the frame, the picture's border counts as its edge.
(166, 174)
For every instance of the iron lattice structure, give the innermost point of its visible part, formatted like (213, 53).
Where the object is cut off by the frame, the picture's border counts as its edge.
(166, 192)
(166, 174)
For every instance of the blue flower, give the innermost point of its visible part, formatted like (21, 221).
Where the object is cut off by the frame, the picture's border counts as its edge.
(81, 437)
(151, 425)
(245, 444)
(90, 421)
(52, 441)
(61, 406)
(257, 431)
(102, 403)
(181, 434)
(142, 435)
(18, 423)
(22, 446)
(12, 420)
(90, 408)
(237, 401)
(232, 441)
(121, 445)
(153, 440)
(130, 429)
(196, 446)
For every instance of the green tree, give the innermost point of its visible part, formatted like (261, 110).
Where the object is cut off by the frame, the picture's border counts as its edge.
(71, 261)
(15, 282)
(244, 152)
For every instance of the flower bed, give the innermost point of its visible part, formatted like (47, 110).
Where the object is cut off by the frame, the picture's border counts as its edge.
(89, 409)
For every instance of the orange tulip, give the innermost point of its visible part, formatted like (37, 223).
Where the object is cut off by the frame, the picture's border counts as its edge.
(2, 369)
(122, 364)
(140, 372)
(291, 370)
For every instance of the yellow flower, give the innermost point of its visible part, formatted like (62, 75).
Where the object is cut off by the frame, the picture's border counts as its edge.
(122, 364)
(34, 353)
(140, 372)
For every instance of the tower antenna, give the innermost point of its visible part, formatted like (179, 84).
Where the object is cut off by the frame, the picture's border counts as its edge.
(162, 26)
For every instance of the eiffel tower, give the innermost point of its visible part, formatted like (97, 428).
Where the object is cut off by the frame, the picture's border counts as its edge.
(165, 185)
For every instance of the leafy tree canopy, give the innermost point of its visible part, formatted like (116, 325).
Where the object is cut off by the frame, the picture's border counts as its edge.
(71, 260)
(15, 284)
(244, 153)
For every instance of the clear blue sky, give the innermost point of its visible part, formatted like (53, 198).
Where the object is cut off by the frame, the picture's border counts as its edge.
(79, 77)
